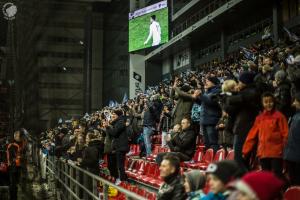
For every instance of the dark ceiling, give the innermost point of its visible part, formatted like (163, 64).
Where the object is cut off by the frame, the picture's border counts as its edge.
(3, 27)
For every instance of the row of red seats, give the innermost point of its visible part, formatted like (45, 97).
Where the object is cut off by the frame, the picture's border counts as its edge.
(134, 150)
(156, 150)
(145, 172)
(201, 160)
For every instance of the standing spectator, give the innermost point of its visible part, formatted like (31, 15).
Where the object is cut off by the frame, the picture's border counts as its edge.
(283, 94)
(292, 149)
(184, 101)
(182, 145)
(151, 115)
(244, 106)
(259, 186)
(169, 172)
(120, 146)
(270, 130)
(211, 112)
(164, 124)
(194, 182)
(91, 154)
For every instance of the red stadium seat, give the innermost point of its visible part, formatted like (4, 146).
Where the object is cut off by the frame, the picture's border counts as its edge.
(151, 196)
(142, 192)
(293, 193)
(230, 155)
(156, 181)
(135, 169)
(196, 159)
(207, 158)
(220, 155)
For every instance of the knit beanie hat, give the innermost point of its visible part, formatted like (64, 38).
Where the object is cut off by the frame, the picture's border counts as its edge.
(214, 80)
(246, 77)
(196, 179)
(260, 185)
(226, 170)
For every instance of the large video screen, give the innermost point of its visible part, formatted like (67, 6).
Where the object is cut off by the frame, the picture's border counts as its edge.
(149, 26)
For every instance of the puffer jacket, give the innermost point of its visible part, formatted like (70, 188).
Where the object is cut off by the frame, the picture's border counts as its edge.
(244, 106)
(184, 142)
(118, 134)
(292, 149)
(283, 99)
(211, 110)
(271, 130)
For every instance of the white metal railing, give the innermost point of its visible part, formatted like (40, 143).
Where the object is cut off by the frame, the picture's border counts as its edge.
(77, 183)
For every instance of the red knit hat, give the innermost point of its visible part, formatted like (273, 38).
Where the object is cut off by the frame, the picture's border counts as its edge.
(260, 185)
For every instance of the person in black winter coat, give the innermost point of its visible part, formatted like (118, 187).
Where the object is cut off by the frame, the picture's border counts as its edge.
(183, 145)
(120, 146)
(91, 154)
(292, 149)
(172, 187)
(283, 94)
(245, 107)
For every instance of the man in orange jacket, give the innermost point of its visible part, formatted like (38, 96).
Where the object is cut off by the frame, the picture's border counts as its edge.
(270, 130)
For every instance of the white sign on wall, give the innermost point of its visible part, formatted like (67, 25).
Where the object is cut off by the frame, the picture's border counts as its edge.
(182, 59)
(137, 75)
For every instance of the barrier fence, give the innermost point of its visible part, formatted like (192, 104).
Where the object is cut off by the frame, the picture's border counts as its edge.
(77, 183)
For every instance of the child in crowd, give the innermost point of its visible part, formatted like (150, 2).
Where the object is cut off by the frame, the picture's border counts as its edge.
(259, 186)
(219, 175)
(194, 182)
(225, 123)
(270, 131)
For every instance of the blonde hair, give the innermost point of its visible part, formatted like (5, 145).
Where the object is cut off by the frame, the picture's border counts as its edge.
(229, 85)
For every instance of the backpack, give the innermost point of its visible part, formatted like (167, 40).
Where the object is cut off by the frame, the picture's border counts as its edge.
(196, 109)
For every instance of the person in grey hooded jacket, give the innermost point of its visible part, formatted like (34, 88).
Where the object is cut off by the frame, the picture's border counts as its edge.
(194, 182)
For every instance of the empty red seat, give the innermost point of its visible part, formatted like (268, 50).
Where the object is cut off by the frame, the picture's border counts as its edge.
(155, 180)
(142, 192)
(230, 155)
(196, 159)
(151, 196)
(138, 166)
(207, 158)
(220, 155)
(293, 193)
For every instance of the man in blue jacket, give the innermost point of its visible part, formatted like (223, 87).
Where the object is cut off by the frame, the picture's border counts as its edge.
(211, 112)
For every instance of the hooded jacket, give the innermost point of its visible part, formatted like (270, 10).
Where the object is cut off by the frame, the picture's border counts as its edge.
(271, 131)
(196, 180)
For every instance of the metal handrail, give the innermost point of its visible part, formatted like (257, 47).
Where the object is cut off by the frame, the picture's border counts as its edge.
(56, 171)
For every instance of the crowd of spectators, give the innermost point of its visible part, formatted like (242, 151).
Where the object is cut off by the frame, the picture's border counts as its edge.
(248, 103)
